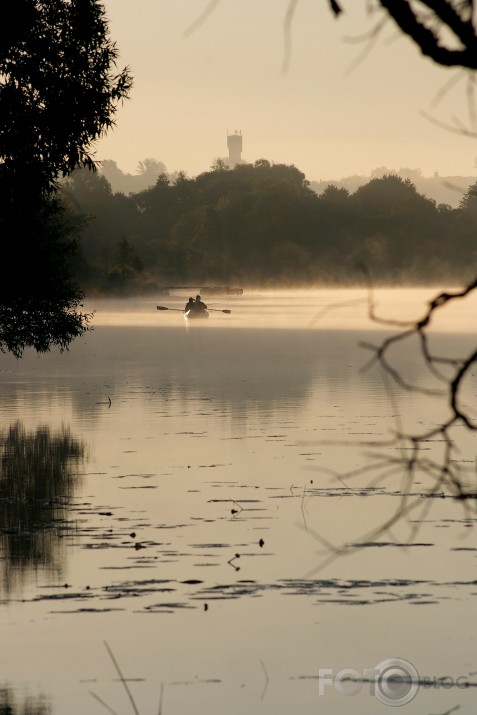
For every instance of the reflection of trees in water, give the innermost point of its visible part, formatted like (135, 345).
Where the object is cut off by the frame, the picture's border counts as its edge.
(31, 705)
(37, 479)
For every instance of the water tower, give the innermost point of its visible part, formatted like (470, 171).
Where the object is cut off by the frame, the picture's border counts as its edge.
(234, 143)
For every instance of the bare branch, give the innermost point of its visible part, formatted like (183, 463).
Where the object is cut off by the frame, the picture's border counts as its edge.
(204, 15)
(446, 87)
(448, 15)
(287, 25)
(447, 476)
(372, 37)
(449, 127)
(335, 7)
(428, 40)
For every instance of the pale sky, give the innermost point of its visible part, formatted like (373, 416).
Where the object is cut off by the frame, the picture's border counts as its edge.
(328, 121)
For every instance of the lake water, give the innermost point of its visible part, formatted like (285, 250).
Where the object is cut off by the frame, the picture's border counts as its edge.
(173, 491)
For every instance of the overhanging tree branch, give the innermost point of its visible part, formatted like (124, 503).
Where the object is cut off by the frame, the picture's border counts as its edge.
(428, 40)
(59, 91)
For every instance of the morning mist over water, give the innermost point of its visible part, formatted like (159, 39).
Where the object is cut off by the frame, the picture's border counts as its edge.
(238, 392)
(221, 464)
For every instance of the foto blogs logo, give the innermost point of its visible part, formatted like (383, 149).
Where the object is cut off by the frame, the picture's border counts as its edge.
(394, 682)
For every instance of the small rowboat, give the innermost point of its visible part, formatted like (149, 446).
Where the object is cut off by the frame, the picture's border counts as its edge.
(192, 314)
(196, 314)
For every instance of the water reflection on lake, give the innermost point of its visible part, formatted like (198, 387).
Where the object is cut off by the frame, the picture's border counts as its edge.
(37, 481)
(10, 704)
(169, 488)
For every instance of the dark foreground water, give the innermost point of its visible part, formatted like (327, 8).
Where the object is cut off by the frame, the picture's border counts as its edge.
(175, 491)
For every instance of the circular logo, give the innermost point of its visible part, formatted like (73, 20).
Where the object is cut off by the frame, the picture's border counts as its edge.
(397, 682)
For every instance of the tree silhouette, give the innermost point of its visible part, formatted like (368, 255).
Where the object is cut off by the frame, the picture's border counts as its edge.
(59, 91)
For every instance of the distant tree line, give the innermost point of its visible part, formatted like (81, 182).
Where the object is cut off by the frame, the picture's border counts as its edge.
(147, 173)
(262, 224)
(443, 189)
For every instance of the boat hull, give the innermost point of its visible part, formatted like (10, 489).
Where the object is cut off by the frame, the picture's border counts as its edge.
(196, 315)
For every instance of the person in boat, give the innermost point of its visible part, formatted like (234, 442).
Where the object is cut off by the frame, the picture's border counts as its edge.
(190, 305)
(199, 305)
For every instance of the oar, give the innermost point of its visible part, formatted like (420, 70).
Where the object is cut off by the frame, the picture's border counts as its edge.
(217, 310)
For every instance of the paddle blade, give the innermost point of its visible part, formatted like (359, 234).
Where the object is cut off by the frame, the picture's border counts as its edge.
(227, 311)
(162, 307)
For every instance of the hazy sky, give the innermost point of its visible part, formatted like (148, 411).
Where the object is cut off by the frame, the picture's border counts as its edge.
(331, 115)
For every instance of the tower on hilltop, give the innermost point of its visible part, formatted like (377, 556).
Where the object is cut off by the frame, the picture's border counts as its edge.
(234, 143)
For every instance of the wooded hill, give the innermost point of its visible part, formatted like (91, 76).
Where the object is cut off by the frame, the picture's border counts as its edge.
(261, 224)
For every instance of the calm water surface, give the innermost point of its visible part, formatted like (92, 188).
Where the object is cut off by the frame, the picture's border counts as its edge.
(170, 490)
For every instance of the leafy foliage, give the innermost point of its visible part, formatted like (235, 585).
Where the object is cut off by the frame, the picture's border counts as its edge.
(38, 297)
(262, 224)
(59, 90)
